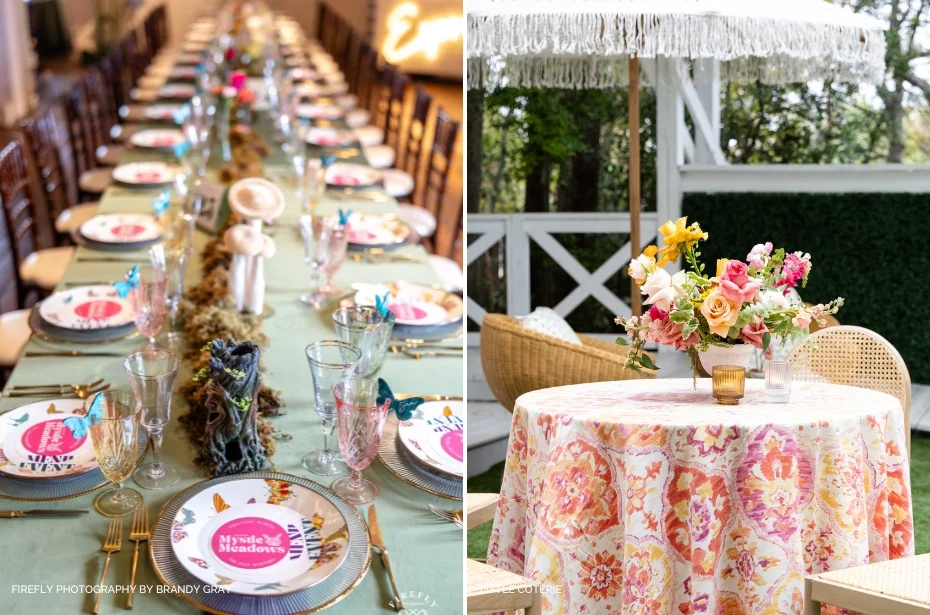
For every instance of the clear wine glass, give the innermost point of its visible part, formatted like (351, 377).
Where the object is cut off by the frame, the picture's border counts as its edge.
(360, 420)
(149, 302)
(330, 362)
(116, 446)
(152, 374)
(369, 331)
(325, 244)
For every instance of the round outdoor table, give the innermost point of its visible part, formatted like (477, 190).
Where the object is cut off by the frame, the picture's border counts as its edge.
(646, 496)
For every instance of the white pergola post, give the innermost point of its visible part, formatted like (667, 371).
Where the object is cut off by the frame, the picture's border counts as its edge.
(707, 84)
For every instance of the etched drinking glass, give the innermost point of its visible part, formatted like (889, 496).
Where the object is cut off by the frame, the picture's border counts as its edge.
(325, 244)
(151, 375)
(777, 382)
(369, 331)
(361, 421)
(173, 262)
(116, 446)
(331, 361)
(149, 302)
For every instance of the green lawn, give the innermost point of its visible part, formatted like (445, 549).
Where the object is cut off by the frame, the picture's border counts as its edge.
(490, 482)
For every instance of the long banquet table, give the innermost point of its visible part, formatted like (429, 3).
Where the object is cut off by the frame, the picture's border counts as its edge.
(58, 554)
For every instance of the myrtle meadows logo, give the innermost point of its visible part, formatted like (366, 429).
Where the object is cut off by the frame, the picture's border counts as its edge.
(416, 603)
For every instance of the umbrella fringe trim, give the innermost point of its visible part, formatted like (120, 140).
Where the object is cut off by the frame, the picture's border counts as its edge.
(579, 51)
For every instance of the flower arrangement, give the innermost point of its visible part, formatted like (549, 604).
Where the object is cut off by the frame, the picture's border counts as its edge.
(743, 303)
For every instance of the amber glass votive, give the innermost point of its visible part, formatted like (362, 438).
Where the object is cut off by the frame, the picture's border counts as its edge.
(729, 384)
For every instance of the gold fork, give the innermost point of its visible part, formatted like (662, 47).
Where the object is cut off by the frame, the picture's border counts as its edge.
(70, 391)
(452, 516)
(20, 387)
(111, 544)
(138, 533)
(429, 353)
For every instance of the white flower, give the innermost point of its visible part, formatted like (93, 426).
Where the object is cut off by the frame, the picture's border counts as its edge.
(641, 267)
(663, 289)
(772, 299)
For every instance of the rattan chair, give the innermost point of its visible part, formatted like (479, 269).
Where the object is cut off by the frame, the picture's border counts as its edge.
(857, 357)
(517, 360)
(900, 586)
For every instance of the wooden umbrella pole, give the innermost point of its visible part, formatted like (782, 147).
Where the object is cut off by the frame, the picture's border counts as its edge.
(636, 299)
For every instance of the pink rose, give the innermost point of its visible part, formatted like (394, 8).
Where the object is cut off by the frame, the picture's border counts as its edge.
(754, 332)
(735, 283)
(668, 333)
(237, 80)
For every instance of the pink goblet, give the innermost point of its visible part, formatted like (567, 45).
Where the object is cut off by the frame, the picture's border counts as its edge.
(149, 302)
(360, 420)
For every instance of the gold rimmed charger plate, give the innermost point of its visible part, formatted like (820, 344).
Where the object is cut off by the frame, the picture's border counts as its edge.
(260, 474)
(398, 452)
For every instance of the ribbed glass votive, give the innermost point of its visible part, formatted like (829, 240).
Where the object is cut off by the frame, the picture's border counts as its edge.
(729, 382)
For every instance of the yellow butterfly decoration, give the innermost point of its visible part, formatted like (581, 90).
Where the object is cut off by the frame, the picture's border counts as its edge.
(447, 411)
(53, 410)
(340, 533)
(219, 504)
(224, 580)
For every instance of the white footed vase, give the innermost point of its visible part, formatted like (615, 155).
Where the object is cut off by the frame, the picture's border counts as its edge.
(738, 354)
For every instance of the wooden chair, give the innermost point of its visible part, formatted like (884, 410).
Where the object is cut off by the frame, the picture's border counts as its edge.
(383, 155)
(401, 181)
(47, 138)
(37, 265)
(102, 116)
(14, 322)
(900, 586)
(517, 360)
(480, 508)
(84, 128)
(491, 590)
(857, 357)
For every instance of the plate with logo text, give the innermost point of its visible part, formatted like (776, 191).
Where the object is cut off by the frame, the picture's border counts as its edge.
(348, 175)
(158, 138)
(385, 231)
(35, 444)
(177, 91)
(434, 435)
(121, 228)
(259, 537)
(86, 308)
(160, 113)
(146, 174)
(412, 303)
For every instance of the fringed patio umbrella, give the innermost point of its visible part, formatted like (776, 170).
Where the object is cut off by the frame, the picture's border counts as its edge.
(581, 44)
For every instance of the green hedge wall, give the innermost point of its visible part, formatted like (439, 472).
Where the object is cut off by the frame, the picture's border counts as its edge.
(871, 249)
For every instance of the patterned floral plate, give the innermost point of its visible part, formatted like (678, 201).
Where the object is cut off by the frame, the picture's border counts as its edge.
(373, 230)
(160, 113)
(256, 537)
(413, 304)
(331, 137)
(158, 138)
(177, 91)
(146, 174)
(434, 435)
(86, 308)
(35, 444)
(121, 228)
(348, 175)
(320, 112)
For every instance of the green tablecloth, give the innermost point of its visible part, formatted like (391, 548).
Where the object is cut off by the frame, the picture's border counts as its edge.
(426, 553)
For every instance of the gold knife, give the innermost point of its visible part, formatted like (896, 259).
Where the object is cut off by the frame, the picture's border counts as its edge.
(377, 540)
(15, 514)
(70, 353)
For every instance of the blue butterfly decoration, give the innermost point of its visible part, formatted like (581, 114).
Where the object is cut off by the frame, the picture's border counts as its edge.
(80, 424)
(181, 114)
(201, 69)
(181, 148)
(160, 203)
(132, 281)
(403, 408)
(381, 304)
(327, 160)
(344, 217)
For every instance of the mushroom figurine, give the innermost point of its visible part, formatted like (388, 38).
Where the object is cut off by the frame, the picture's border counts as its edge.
(256, 291)
(255, 200)
(245, 242)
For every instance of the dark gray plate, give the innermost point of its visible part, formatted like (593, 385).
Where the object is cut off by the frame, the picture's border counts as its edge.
(59, 334)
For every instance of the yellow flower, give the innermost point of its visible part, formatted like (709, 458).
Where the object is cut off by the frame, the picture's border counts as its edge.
(675, 235)
(721, 266)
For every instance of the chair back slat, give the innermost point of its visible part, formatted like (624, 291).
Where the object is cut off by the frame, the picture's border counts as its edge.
(439, 162)
(77, 111)
(18, 201)
(409, 155)
(47, 138)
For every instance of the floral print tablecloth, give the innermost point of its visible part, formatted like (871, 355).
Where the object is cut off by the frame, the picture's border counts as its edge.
(645, 496)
